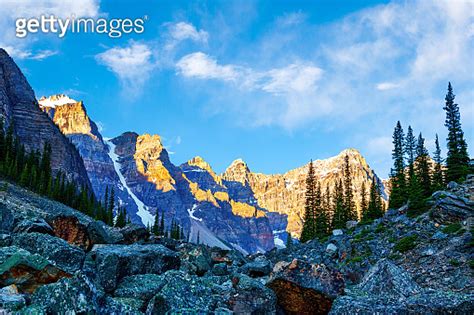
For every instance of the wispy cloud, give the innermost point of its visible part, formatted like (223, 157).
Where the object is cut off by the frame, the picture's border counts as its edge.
(202, 66)
(132, 64)
(13, 9)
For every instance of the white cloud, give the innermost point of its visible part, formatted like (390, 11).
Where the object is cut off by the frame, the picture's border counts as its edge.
(13, 9)
(293, 78)
(182, 31)
(132, 64)
(202, 66)
(387, 86)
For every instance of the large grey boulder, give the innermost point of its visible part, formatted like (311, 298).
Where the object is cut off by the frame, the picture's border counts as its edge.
(388, 289)
(108, 264)
(26, 270)
(76, 295)
(304, 288)
(58, 251)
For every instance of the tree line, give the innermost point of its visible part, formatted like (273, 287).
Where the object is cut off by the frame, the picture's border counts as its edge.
(414, 175)
(32, 170)
(158, 228)
(331, 209)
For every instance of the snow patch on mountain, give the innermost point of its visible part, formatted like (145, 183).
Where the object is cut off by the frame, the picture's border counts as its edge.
(145, 215)
(56, 100)
(191, 213)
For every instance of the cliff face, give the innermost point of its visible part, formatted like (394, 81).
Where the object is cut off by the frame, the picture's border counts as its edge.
(72, 119)
(18, 106)
(188, 194)
(285, 193)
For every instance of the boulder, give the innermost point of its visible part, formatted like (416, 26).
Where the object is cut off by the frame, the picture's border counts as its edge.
(304, 288)
(6, 219)
(133, 233)
(195, 259)
(259, 267)
(184, 293)
(76, 295)
(84, 233)
(26, 270)
(250, 296)
(450, 208)
(220, 269)
(388, 289)
(141, 287)
(331, 249)
(67, 257)
(337, 232)
(385, 278)
(33, 225)
(10, 299)
(108, 264)
(351, 224)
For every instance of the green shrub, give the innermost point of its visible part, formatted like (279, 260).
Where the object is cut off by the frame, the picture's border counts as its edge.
(380, 228)
(452, 228)
(454, 262)
(471, 263)
(405, 244)
(356, 259)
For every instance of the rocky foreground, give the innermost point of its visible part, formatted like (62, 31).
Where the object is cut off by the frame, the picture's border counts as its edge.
(55, 260)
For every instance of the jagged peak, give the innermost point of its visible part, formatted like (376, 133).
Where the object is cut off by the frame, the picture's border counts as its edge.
(56, 100)
(238, 163)
(201, 163)
(148, 138)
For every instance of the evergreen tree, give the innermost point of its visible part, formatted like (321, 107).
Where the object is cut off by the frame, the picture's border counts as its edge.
(363, 200)
(417, 202)
(322, 222)
(198, 239)
(327, 205)
(423, 166)
(339, 218)
(309, 225)
(349, 205)
(398, 194)
(410, 150)
(111, 206)
(289, 241)
(438, 177)
(457, 161)
(162, 224)
(374, 208)
(156, 227)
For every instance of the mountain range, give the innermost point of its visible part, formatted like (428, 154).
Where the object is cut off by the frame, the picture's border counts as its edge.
(238, 209)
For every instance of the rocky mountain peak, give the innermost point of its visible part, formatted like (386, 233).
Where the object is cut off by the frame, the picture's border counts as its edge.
(198, 161)
(33, 128)
(69, 115)
(152, 160)
(55, 100)
(238, 171)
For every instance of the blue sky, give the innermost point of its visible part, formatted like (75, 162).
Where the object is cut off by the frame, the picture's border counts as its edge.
(276, 83)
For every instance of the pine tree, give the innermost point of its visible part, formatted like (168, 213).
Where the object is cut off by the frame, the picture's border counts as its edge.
(322, 222)
(309, 225)
(289, 241)
(156, 228)
(410, 150)
(374, 208)
(398, 195)
(339, 218)
(363, 200)
(111, 206)
(349, 205)
(438, 176)
(457, 161)
(417, 202)
(198, 239)
(162, 224)
(423, 171)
